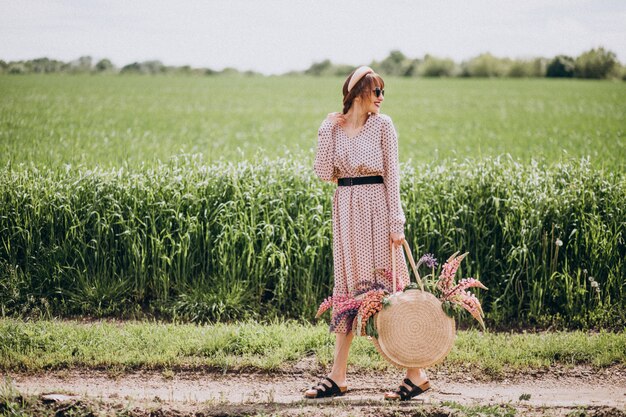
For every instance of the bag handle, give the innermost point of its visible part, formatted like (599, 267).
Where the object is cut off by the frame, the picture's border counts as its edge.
(394, 272)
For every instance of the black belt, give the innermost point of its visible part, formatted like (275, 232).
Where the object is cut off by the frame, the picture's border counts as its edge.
(376, 179)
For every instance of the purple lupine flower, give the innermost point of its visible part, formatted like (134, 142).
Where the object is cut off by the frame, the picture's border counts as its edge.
(348, 314)
(367, 286)
(429, 260)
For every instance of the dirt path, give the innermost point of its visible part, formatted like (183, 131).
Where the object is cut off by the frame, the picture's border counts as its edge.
(558, 390)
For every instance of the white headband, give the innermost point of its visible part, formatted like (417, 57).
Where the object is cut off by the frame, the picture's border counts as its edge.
(358, 74)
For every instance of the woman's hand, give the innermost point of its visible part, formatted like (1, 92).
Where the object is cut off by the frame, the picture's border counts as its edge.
(397, 238)
(336, 117)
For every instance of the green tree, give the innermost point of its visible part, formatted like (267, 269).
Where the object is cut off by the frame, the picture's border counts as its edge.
(527, 68)
(486, 65)
(395, 64)
(45, 65)
(104, 65)
(319, 68)
(131, 68)
(327, 68)
(146, 67)
(229, 71)
(80, 65)
(436, 67)
(561, 66)
(16, 68)
(152, 67)
(621, 72)
(413, 68)
(342, 70)
(596, 63)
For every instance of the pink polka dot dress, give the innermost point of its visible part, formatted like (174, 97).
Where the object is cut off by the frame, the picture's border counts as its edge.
(363, 215)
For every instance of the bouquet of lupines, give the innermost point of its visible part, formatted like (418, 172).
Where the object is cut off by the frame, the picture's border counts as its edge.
(356, 310)
(451, 294)
(359, 310)
(457, 294)
(371, 303)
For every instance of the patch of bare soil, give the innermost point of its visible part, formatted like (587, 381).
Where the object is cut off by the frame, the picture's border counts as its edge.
(555, 392)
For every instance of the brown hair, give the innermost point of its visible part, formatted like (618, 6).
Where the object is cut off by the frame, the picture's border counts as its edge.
(362, 88)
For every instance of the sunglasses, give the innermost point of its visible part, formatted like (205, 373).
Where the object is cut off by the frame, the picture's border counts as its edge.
(379, 92)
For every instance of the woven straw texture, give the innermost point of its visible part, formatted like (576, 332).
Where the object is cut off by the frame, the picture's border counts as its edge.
(413, 330)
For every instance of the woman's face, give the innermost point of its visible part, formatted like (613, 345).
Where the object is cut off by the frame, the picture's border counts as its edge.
(374, 100)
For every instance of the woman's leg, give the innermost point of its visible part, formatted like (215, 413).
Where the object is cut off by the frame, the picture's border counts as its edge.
(417, 376)
(340, 361)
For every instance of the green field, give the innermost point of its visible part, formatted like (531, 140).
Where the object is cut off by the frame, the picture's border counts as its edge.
(113, 120)
(193, 199)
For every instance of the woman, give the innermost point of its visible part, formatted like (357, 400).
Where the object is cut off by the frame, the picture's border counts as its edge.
(358, 149)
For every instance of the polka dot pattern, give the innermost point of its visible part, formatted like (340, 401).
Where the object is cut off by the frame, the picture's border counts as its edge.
(363, 215)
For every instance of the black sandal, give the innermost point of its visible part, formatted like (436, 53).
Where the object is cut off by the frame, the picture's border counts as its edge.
(324, 391)
(404, 394)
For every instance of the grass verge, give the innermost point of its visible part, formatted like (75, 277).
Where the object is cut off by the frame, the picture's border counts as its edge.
(125, 346)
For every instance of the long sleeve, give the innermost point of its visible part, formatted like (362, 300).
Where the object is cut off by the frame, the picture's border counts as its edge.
(324, 165)
(392, 176)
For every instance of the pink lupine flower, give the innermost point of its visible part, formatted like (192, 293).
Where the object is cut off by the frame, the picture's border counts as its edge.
(385, 273)
(348, 304)
(471, 282)
(449, 270)
(464, 284)
(458, 293)
(326, 304)
(371, 303)
(471, 304)
(330, 302)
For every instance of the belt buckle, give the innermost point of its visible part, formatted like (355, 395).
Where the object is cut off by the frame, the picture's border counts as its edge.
(351, 182)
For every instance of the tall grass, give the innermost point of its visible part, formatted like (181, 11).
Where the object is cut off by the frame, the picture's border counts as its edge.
(227, 241)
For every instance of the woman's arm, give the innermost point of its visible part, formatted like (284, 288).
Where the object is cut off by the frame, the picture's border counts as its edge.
(392, 177)
(324, 164)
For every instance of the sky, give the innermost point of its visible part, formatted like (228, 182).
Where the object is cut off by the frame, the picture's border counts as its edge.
(277, 36)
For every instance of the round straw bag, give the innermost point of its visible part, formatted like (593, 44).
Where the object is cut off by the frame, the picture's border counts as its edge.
(413, 330)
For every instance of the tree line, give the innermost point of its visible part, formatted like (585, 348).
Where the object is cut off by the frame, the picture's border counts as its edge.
(597, 63)
(86, 65)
